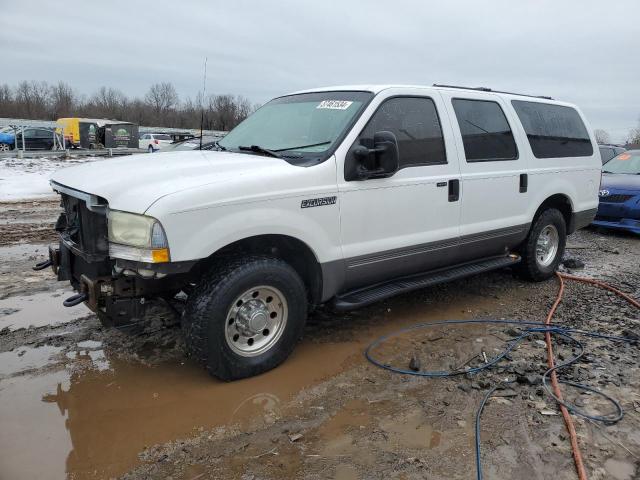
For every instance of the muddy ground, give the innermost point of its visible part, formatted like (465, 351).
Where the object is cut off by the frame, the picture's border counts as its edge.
(83, 402)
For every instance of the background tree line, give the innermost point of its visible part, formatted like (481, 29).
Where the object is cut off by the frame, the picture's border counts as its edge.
(161, 106)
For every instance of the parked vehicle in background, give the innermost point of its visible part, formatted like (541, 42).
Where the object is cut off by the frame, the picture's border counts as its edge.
(38, 139)
(344, 196)
(607, 152)
(7, 139)
(152, 142)
(208, 143)
(97, 133)
(620, 193)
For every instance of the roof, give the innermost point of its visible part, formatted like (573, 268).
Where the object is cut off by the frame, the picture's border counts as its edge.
(375, 88)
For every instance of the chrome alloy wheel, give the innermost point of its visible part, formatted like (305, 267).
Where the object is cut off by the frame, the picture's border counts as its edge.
(547, 246)
(256, 321)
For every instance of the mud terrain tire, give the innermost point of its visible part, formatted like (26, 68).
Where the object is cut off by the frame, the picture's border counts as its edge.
(531, 268)
(205, 319)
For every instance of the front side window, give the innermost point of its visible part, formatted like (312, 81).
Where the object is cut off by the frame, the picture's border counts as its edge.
(414, 122)
(486, 134)
(554, 131)
(299, 127)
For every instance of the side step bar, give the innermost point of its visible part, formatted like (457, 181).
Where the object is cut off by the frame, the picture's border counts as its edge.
(368, 295)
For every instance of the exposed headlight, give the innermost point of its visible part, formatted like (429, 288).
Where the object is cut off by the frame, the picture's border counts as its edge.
(136, 237)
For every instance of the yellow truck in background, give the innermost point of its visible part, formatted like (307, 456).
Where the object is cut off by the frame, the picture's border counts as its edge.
(97, 133)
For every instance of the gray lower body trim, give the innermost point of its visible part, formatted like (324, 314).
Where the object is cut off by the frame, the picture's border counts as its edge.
(581, 219)
(340, 276)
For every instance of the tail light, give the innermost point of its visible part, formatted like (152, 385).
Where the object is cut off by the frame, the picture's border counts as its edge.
(156, 142)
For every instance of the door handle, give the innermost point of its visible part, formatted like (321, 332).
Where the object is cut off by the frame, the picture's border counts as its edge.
(454, 190)
(524, 182)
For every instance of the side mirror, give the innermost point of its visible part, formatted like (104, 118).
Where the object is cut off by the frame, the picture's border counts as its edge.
(378, 162)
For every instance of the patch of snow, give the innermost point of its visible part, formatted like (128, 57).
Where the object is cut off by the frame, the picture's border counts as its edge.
(28, 178)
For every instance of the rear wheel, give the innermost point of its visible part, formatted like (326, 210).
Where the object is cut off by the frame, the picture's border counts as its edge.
(245, 317)
(543, 249)
(150, 149)
(4, 147)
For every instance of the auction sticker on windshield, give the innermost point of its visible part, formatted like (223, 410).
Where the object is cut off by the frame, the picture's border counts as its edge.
(335, 104)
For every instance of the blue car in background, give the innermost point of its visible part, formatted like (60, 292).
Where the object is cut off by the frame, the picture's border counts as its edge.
(7, 139)
(620, 193)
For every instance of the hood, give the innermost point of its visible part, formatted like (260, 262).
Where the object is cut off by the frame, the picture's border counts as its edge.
(620, 182)
(133, 183)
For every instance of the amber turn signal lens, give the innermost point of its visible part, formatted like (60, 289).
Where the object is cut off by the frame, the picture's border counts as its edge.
(160, 255)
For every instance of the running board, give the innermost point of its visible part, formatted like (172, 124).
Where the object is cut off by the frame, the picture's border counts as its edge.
(368, 295)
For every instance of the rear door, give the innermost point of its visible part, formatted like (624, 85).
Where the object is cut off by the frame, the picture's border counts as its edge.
(31, 141)
(494, 190)
(408, 222)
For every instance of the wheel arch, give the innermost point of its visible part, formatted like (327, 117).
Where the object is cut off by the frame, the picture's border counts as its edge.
(562, 203)
(290, 249)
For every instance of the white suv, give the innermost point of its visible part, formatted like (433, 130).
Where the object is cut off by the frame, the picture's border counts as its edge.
(343, 195)
(152, 142)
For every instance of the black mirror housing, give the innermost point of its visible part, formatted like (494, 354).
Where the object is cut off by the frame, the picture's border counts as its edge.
(378, 162)
(387, 152)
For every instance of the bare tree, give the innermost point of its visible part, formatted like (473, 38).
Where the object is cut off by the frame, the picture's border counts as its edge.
(161, 105)
(634, 136)
(602, 136)
(6, 101)
(107, 103)
(63, 101)
(32, 99)
(162, 98)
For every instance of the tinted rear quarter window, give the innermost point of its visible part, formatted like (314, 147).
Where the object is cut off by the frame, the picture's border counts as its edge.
(486, 133)
(415, 123)
(554, 131)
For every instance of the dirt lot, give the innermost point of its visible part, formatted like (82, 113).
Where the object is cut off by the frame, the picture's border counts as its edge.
(82, 402)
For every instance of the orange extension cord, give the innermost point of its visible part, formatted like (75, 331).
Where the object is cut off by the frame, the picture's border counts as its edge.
(577, 456)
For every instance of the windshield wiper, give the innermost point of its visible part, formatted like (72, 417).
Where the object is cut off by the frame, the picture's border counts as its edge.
(259, 149)
(302, 146)
(607, 171)
(219, 147)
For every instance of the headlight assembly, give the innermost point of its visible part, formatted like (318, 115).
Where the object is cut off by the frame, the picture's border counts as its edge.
(136, 237)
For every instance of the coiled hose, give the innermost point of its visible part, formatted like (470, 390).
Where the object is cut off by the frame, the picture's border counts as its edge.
(532, 328)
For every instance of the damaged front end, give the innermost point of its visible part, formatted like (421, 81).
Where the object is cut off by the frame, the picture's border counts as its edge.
(117, 289)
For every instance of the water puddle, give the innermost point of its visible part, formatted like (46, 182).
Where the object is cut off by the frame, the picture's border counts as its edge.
(92, 418)
(38, 310)
(26, 358)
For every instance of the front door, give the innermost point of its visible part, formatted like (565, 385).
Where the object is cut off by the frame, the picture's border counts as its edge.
(408, 222)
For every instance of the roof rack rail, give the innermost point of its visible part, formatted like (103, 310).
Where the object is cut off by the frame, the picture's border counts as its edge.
(485, 89)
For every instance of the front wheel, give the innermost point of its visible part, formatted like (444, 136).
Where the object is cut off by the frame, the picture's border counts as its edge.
(4, 147)
(245, 317)
(543, 249)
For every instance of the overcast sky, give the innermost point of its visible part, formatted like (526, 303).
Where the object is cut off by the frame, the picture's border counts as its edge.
(586, 52)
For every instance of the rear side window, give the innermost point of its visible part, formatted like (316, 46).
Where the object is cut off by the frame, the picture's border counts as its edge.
(554, 131)
(486, 134)
(415, 123)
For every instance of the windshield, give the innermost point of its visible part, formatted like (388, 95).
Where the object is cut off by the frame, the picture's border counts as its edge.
(161, 137)
(626, 162)
(298, 126)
